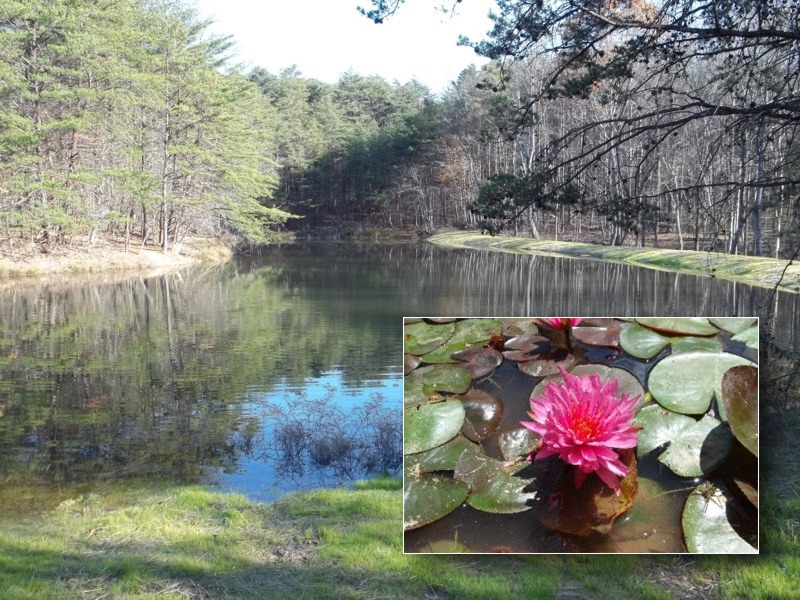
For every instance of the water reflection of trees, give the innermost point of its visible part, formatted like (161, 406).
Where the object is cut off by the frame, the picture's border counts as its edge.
(316, 441)
(146, 377)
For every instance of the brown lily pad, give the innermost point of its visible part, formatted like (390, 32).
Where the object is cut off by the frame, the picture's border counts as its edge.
(591, 509)
(410, 362)
(548, 364)
(740, 396)
(598, 336)
(479, 361)
(484, 412)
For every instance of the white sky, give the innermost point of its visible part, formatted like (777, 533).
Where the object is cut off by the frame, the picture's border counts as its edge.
(325, 38)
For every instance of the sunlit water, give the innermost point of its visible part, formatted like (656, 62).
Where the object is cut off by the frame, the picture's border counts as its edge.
(274, 372)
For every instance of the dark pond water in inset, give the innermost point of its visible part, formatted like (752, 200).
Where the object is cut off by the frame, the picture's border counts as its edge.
(252, 374)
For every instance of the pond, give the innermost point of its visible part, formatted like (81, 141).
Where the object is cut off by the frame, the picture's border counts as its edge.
(273, 372)
(607, 413)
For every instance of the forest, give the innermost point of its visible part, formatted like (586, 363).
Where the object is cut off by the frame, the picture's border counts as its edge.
(671, 123)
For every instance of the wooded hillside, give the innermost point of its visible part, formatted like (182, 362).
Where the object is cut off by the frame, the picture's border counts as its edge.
(672, 124)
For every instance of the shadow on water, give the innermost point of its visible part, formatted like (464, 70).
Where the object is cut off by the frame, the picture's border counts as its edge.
(208, 372)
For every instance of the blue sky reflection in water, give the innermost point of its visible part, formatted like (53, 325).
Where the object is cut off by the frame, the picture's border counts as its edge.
(317, 435)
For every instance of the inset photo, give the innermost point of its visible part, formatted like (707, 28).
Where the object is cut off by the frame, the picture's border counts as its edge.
(580, 435)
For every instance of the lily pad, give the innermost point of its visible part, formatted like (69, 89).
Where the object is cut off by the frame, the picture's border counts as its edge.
(421, 338)
(493, 489)
(484, 411)
(748, 491)
(441, 458)
(412, 387)
(410, 362)
(740, 397)
(513, 327)
(642, 342)
(547, 365)
(517, 442)
(480, 361)
(686, 382)
(707, 525)
(526, 342)
(659, 426)
(679, 325)
(607, 336)
(424, 381)
(734, 324)
(699, 448)
(430, 425)
(469, 331)
(593, 507)
(749, 337)
(699, 344)
(428, 498)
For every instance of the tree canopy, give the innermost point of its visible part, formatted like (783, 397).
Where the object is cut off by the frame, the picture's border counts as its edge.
(651, 81)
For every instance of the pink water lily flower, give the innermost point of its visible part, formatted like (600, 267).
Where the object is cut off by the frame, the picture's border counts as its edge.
(560, 323)
(583, 422)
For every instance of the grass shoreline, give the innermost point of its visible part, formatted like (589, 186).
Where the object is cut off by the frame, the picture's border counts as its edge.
(188, 542)
(757, 271)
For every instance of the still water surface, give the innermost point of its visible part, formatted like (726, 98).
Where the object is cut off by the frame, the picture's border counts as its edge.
(275, 372)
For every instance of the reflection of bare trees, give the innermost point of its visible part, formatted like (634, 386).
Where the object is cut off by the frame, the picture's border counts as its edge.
(317, 441)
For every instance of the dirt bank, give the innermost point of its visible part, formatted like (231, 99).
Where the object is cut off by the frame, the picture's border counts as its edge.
(108, 258)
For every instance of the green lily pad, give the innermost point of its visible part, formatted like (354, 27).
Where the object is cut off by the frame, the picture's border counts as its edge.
(749, 337)
(734, 324)
(430, 425)
(427, 498)
(740, 397)
(512, 327)
(421, 338)
(441, 458)
(686, 382)
(469, 331)
(484, 411)
(412, 387)
(493, 489)
(642, 342)
(516, 442)
(698, 344)
(699, 448)
(679, 325)
(706, 523)
(659, 426)
(424, 381)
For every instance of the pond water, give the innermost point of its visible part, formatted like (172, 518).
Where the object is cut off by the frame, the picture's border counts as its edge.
(273, 372)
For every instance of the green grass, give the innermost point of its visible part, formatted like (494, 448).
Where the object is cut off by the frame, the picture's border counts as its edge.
(758, 271)
(189, 542)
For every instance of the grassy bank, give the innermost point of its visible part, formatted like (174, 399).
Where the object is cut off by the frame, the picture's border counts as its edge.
(762, 272)
(188, 542)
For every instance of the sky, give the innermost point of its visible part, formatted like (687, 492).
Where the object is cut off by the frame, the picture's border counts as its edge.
(326, 38)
